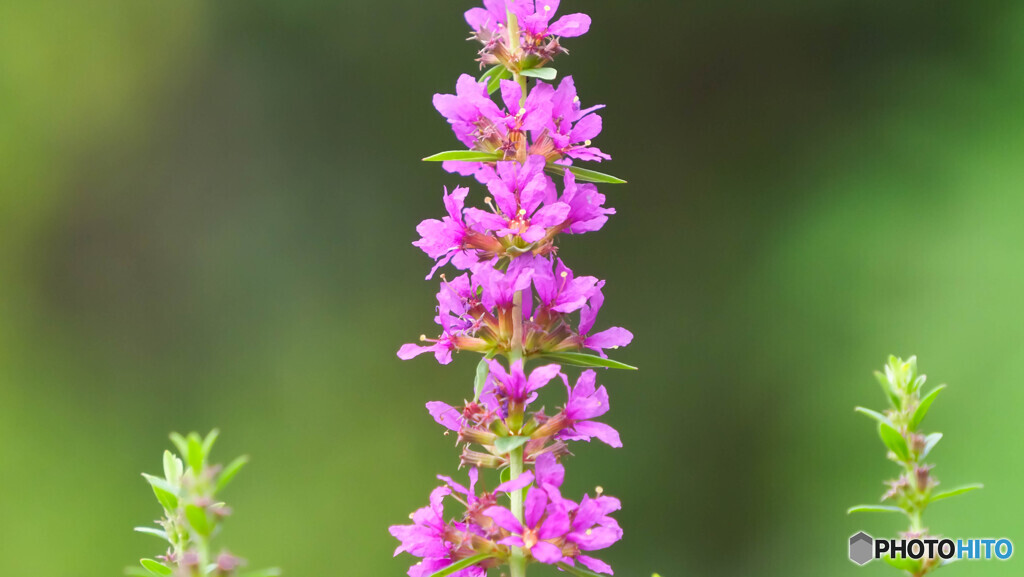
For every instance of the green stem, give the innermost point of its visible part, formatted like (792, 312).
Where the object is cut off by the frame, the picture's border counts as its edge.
(517, 563)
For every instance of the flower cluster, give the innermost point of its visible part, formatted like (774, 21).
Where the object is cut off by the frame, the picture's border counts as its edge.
(514, 301)
(552, 529)
(477, 312)
(192, 513)
(533, 39)
(915, 488)
(548, 122)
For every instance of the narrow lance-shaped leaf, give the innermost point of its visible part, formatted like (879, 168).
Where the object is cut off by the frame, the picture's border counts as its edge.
(198, 519)
(495, 82)
(482, 370)
(172, 469)
(542, 73)
(153, 531)
(195, 456)
(491, 72)
(923, 406)
(874, 509)
(464, 155)
(460, 565)
(929, 443)
(955, 492)
(509, 444)
(181, 444)
(883, 380)
(230, 471)
(578, 570)
(208, 442)
(155, 567)
(874, 415)
(894, 440)
(583, 174)
(165, 493)
(589, 361)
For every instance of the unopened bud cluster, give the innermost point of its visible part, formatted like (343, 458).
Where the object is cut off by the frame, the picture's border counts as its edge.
(192, 513)
(916, 487)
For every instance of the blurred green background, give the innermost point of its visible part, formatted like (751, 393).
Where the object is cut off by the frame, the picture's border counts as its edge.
(205, 218)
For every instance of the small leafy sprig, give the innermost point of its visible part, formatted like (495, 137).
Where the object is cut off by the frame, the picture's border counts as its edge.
(192, 514)
(898, 426)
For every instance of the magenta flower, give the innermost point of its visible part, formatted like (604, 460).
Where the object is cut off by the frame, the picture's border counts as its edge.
(471, 112)
(592, 529)
(538, 530)
(586, 401)
(426, 536)
(612, 338)
(457, 301)
(572, 127)
(514, 385)
(586, 207)
(559, 290)
(535, 20)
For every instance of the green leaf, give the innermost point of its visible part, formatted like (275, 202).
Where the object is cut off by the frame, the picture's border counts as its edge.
(883, 380)
(583, 174)
(491, 72)
(230, 471)
(874, 509)
(542, 73)
(465, 156)
(578, 570)
(509, 444)
(459, 565)
(495, 82)
(208, 442)
(874, 415)
(155, 567)
(153, 531)
(195, 456)
(929, 443)
(505, 475)
(482, 370)
(923, 406)
(172, 469)
(164, 491)
(894, 440)
(180, 443)
(911, 565)
(198, 519)
(585, 360)
(955, 492)
(269, 572)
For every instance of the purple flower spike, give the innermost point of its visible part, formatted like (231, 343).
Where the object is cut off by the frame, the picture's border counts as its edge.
(516, 301)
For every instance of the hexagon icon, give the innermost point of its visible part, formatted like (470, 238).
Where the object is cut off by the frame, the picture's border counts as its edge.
(862, 548)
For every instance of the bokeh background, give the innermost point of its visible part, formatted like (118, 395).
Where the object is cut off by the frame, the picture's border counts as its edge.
(205, 218)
